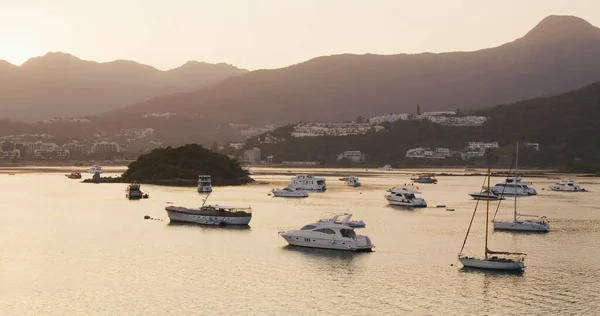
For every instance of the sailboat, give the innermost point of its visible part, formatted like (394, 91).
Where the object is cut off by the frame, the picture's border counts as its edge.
(492, 260)
(539, 225)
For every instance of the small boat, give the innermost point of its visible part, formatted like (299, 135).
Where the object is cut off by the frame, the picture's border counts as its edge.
(331, 234)
(485, 195)
(425, 178)
(386, 168)
(289, 192)
(539, 225)
(492, 260)
(73, 175)
(133, 191)
(332, 217)
(352, 182)
(566, 186)
(308, 182)
(204, 184)
(405, 197)
(95, 169)
(210, 214)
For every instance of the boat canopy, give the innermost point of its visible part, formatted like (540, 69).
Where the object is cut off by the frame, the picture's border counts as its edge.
(404, 191)
(504, 253)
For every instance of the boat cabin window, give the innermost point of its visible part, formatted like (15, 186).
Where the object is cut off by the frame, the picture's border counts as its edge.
(308, 227)
(325, 231)
(348, 233)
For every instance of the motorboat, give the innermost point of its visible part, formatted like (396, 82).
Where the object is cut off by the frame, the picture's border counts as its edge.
(210, 214)
(485, 194)
(492, 260)
(332, 217)
(73, 175)
(352, 182)
(425, 178)
(513, 186)
(331, 234)
(289, 192)
(95, 169)
(386, 168)
(405, 197)
(133, 192)
(566, 186)
(204, 184)
(538, 225)
(308, 182)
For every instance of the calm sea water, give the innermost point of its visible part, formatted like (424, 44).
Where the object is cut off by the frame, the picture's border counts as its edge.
(68, 248)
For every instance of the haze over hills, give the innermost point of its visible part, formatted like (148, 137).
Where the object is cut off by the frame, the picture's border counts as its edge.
(558, 55)
(62, 85)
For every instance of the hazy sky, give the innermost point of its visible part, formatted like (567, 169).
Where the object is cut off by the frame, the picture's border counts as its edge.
(265, 33)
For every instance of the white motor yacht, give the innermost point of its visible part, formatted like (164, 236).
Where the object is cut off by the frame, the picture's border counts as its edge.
(331, 234)
(405, 197)
(211, 214)
(566, 186)
(308, 182)
(513, 186)
(289, 192)
(95, 169)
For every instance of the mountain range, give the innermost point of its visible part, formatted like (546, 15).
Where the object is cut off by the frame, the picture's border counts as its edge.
(558, 55)
(62, 85)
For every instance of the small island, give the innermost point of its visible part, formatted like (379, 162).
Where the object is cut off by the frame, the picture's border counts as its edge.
(180, 166)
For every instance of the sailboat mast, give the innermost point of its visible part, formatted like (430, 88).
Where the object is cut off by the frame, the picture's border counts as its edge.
(487, 213)
(515, 182)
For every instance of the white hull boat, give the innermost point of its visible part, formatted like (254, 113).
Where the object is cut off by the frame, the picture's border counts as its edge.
(523, 226)
(492, 264)
(333, 234)
(211, 214)
(566, 186)
(513, 186)
(386, 168)
(289, 192)
(204, 184)
(405, 197)
(308, 182)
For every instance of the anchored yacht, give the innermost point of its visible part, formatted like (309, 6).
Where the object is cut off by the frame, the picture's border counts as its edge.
(352, 182)
(386, 168)
(95, 169)
(513, 186)
(566, 186)
(204, 184)
(289, 192)
(331, 234)
(405, 197)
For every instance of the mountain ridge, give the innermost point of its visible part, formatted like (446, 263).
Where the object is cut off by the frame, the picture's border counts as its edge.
(342, 87)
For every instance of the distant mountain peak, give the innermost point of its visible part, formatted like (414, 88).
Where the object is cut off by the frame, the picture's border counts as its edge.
(560, 27)
(52, 58)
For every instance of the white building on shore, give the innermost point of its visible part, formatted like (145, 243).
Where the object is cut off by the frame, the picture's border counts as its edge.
(105, 147)
(430, 153)
(480, 145)
(252, 155)
(352, 155)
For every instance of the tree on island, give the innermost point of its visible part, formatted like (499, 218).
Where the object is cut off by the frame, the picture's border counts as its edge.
(185, 163)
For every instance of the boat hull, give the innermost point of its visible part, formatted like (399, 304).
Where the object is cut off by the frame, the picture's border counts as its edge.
(523, 226)
(208, 220)
(492, 264)
(485, 197)
(419, 203)
(325, 243)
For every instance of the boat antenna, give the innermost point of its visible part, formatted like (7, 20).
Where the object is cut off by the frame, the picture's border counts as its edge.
(503, 190)
(516, 175)
(487, 212)
(206, 198)
(470, 223)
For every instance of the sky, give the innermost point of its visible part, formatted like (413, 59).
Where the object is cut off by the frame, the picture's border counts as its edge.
(257, 34)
